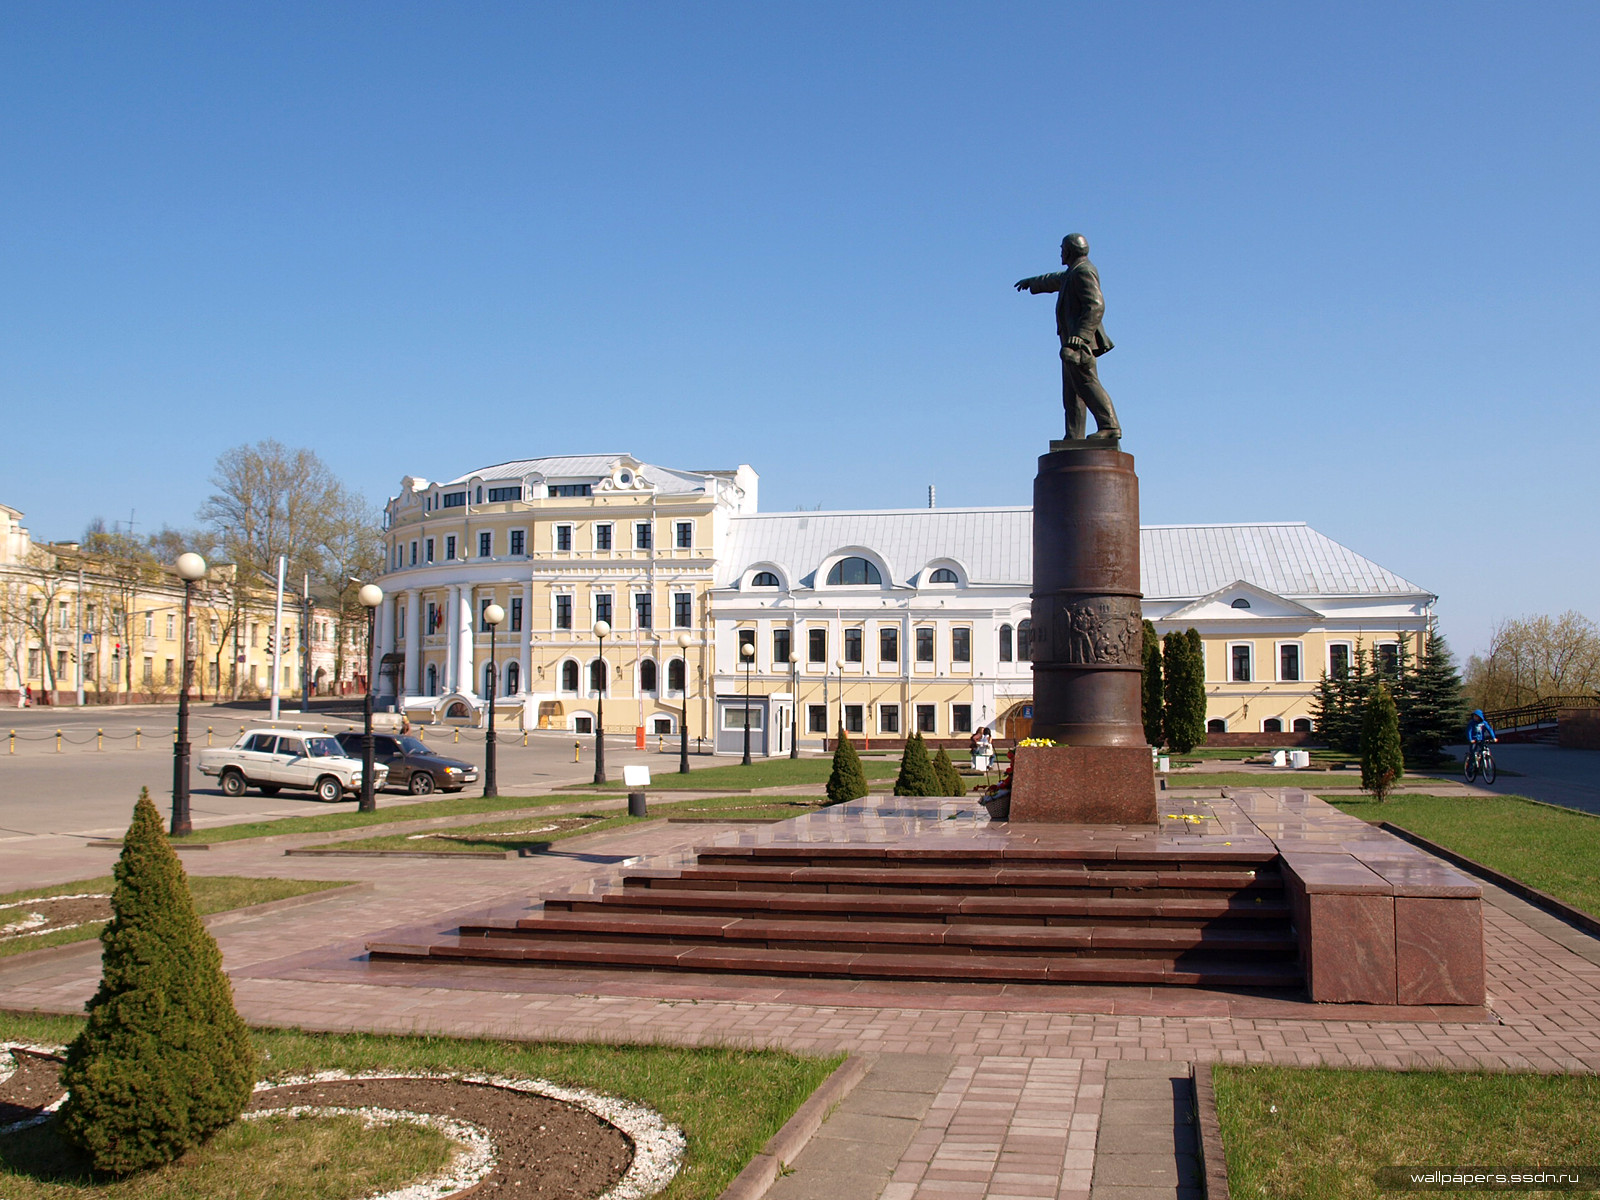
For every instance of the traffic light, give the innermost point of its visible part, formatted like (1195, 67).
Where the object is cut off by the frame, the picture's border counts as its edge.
(272, 640)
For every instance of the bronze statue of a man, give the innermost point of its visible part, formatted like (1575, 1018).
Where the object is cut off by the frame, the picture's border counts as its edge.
(1079, 309)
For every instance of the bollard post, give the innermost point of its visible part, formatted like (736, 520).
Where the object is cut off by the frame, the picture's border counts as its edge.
(137, 736)
(524, 737)
(456, 741)
(208, 735)
(99, 739)
(58, 741)
(577, 750)
(13, 749)
(636, 806)
(661, 744)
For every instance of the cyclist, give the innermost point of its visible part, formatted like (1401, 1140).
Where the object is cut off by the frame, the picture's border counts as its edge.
(1479, 729)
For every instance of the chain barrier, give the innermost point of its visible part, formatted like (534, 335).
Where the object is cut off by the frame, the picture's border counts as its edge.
(62, 740)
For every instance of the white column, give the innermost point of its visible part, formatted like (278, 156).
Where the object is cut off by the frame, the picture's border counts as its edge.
(525, 650)
(413, 684)
(451, 622)
(386, 623)
(467, 677)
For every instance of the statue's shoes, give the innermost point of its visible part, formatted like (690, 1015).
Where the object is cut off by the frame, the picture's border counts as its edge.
(1104, 435)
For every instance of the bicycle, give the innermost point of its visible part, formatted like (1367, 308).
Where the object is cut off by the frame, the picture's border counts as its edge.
(1480, 761)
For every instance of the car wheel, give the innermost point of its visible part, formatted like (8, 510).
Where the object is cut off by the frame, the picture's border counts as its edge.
(329, 789)
(233, 783)
(421, 783)
(270, 789)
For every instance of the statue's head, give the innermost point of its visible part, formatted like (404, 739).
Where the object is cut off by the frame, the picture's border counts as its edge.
(1073, 247)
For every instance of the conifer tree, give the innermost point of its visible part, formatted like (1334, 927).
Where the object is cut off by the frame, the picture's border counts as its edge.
(1381, 761)
(847, 781)
(1154, 715)
(1438, 710)
(164, 1060)
(950, 780)
(916, 776)
(1184, 692)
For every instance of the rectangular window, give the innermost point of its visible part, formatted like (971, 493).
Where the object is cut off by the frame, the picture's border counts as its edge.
(961, 645)
(888, 644)
(642, 539)
(519, 543)
(149, 624)
(216, 674)
(683, 533)
(563, 537)
(149, 670)
(254, 631)
(516, 614)
(172, 626)
(1289, 662)
(434, 617)
(602, 537)
(61, 667)
(961, 718)
(166, 678)
(33, 664)
(888, 718)
(450, 548)
(643, 611)
(817, 645)
(486, 545)
(116, 622)
(499, 495)
(427, 550)
(735, 715)
(413, 554)
(852, 645)
(483, 614)
(852, 718)
(780, 648)
(1338, 659)
(563, 612)
(455, 499)
(925, 718)
(747, 637)
(602, 607)
(63, 614)
(817, 718)
(682, 609)
(571, 489)
(1386, 658)
(1239, 662)
(925, 644)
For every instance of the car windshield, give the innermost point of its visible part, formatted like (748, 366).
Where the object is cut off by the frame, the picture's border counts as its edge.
(414, 746)
(323, 747)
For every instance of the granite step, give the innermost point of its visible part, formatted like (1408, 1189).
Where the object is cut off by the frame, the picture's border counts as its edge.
(1041, 880)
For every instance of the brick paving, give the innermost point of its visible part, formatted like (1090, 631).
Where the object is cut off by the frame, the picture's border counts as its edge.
(1018, 1114)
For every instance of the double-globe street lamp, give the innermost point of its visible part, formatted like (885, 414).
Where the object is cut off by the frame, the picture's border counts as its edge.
(370, 595)
(191, 568)
(492, 616)
(747, 651)
(683, 726)
(599, 678)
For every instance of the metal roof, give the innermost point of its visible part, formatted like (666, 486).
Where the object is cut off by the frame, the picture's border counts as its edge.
(995, 546)
(583, 467)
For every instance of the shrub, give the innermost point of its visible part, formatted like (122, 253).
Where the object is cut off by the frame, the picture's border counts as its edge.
(164, 1060)
(847, 781)
(949, 778)
(1381, 761)
(916, 776)
(1184, 691)
(1153, 707)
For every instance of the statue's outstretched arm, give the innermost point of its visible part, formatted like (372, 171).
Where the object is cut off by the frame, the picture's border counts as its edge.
(1042, 283)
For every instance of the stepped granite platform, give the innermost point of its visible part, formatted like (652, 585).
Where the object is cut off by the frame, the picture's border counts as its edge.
(1271, 890)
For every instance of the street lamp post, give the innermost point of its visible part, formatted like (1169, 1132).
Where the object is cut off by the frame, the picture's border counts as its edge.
(601, 629)
(190, 567)
(492, 616)
(747, 651)
(794, 712)
(839, 666)
(370, 595)
(683, 725)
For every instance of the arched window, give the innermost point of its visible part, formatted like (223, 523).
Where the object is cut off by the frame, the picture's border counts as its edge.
(1302, 725)
(1024, 641)
(569, 676)
(944, 575)
(1241, 602)
(764, 579)
(854, 570)
(488, 678)
(597, 676)
(1005, 643)
(513, 678)
(433, 680)
(1216, 725)
(1272, 725)
(647, 675)
(675, 675)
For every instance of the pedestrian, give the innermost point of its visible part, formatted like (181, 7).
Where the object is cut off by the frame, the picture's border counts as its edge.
(982, 749)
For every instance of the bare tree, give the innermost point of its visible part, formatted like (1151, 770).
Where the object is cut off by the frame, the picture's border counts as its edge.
(43, 578)
(272, 501)
(129, 567)
(1531, 658)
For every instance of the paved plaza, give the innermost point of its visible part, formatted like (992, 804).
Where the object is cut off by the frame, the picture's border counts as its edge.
(1001, 1092)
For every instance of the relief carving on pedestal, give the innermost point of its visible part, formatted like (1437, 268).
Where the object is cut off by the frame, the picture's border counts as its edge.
(1101, 631)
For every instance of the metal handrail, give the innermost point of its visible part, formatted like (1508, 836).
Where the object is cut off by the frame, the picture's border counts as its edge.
(1540, 712)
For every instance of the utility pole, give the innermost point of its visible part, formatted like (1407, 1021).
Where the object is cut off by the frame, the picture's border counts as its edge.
(277, 639)
(305, 645)
(80, 637)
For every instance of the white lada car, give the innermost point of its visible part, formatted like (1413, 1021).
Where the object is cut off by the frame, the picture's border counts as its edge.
(271, 759)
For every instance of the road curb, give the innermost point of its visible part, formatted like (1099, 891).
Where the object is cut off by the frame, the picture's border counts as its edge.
(784, 1146)
(1213, 1161)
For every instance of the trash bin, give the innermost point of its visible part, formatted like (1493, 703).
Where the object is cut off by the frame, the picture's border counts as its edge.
(636, 805)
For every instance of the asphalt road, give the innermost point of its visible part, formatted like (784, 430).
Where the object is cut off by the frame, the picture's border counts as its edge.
(89, 787)
(1570, 778)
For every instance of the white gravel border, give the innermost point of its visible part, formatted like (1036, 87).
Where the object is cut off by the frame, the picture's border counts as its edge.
(30, 925)
(8, 1068)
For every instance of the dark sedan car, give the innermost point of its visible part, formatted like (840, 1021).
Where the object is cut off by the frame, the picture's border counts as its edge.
(412, 765)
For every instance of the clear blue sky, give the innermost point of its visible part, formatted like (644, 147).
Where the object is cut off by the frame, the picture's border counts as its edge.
(1350, 255)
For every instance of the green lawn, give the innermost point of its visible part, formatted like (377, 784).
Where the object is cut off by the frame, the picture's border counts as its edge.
(728, 1101)
(1276, 779)
(764, 773)
(212, 893)
(1322, 1134)
(1552, 849)
(529, 833)
(351, 819)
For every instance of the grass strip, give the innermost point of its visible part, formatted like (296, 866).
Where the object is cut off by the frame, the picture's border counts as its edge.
(771, 772)
(1278, 779)
(334, 821)
(212, 894)
(729, 1102)
(1323, 1134)
(527, 834)
(1552, 849)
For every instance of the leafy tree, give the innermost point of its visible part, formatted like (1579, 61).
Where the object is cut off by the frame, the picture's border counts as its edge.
(1184, 691)
(164, 1060)
(1531, 658)
(950, 782)
(847, 781)
(1381, 760)
(916, 776)
(1153, 707)
(1437, 710)
(1340, 701)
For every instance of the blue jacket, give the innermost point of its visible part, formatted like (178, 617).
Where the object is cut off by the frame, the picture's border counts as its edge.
(1479, 729)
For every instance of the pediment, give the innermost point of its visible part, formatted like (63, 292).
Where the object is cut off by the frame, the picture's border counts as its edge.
(1219, 605)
